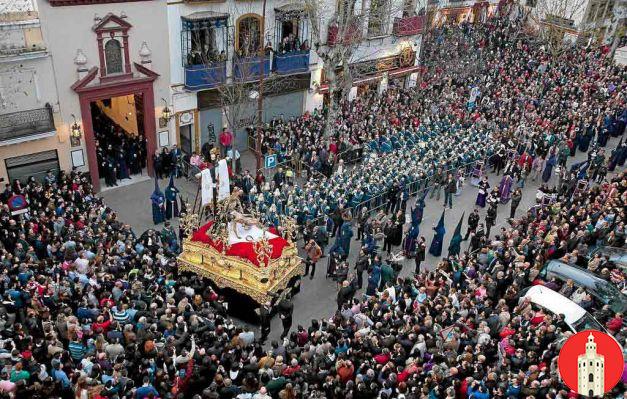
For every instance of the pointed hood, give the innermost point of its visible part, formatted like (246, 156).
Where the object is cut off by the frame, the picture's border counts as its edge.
(454, 247)
(440, 226)
(171, 183)
(418, 210)
(421, 200)
(436, 245)
(157, 192)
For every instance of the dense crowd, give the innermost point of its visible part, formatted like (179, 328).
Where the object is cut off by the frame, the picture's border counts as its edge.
(120, 155)
(93, 310)
(518, 103)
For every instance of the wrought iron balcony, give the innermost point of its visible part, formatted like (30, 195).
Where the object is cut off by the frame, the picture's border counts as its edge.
(408, 26)
(249, 68)
(24, 124)
(292, 62)
(198, 77)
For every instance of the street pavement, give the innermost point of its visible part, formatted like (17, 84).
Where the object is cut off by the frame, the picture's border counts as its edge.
(317, 298)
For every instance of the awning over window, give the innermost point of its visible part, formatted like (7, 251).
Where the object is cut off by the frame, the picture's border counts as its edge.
(204, 19)
(289, 11)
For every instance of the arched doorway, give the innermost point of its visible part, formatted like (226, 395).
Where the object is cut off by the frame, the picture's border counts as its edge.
(139, 87)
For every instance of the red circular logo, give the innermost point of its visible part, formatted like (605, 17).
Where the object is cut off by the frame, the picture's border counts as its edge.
(591, 363)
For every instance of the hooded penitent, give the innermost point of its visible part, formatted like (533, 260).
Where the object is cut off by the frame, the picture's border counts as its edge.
(436, 245)
(158, 204)
(171, 200)
(455, 245)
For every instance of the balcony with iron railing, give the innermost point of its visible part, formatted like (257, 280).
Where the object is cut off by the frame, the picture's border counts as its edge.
(249, 68)
(23, 125)
(205, 76)
(291, 62)
(408, 26)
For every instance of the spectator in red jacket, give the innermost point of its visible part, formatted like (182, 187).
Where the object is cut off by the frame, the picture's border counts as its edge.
(383, 357)
(226, 140)
(345, 370)
(615, 323)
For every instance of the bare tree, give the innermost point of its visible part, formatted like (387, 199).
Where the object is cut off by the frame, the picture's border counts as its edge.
(556, 17)
(238, 92)
(337, 52)
(345, 27)
(617, 25)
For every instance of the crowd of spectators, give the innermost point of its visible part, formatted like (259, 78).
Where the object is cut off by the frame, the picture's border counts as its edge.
(529, 114)
(93, 310)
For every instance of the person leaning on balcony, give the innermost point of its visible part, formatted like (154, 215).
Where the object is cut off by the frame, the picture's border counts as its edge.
(268, 49)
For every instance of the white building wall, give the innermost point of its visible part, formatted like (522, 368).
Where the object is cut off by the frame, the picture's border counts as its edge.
(177, 73)
(620, 56)
(187, 101)
(68, 29)
(27, 82)
(370, 49)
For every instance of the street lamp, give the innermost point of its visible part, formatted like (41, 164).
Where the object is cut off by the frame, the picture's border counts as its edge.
(166, 113)
(75, 129)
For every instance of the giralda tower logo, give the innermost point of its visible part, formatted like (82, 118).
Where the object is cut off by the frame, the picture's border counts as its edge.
(591, 363)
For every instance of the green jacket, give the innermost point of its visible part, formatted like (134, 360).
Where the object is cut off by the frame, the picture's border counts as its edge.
(275, 385)
(387, 273)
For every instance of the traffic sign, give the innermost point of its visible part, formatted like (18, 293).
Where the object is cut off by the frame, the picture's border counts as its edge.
(271, 161)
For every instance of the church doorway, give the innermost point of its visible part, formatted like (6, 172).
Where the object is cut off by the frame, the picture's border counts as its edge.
(120, 139)
(120, 114)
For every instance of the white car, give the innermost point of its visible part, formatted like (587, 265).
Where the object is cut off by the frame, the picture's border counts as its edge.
(575, 316)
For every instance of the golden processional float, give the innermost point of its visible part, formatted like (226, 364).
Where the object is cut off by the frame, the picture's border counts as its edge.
(238, 254)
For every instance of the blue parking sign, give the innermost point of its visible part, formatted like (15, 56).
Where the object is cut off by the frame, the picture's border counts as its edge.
(270, 161)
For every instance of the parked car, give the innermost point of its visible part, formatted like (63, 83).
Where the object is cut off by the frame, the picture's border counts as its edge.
(575, 316)
(616, 255)
(601, 289)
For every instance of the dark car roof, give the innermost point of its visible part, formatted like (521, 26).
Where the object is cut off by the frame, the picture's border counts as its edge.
(616, 255)
(594, 284)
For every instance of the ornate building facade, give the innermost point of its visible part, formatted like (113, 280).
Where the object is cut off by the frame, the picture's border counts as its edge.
(215, 59)
(106, 70)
